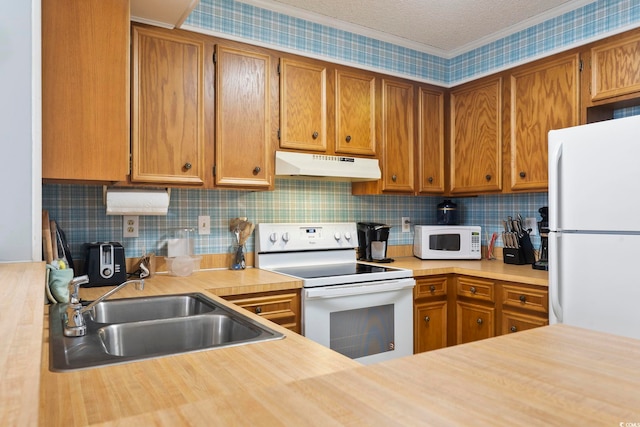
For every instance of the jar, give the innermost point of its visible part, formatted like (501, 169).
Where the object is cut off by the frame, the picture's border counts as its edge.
(447, 213)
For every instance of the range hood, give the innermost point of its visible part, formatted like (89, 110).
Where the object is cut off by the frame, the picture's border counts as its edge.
(162, 13)
(337, 168)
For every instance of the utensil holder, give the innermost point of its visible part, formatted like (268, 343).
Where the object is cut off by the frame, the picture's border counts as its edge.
(237, 257)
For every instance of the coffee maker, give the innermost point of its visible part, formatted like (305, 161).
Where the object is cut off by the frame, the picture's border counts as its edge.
(372, 240)
(543, 229)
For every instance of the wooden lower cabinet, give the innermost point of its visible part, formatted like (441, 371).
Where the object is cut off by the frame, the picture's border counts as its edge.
(430, 326)
(281, 307)
(474, 322)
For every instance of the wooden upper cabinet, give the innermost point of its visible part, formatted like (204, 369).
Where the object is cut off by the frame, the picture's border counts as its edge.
(303, 105)
(543, 97)
(397, 136)
(243, 118)
(355, 113)
(430, 140)
(85, 90)
(615, 67)
(476, 137)
(167, 141)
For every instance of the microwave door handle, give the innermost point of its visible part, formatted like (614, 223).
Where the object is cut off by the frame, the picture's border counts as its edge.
(358, 289)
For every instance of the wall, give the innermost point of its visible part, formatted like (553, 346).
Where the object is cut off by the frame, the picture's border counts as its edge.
(20, 216)
(80, 212)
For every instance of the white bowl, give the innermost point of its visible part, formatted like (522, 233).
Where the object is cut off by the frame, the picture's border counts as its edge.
(182, 265)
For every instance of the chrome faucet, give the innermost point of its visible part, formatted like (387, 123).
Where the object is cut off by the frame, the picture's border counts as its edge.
(75, 325)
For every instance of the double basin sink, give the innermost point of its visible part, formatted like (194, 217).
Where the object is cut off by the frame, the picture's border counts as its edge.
(130, 329)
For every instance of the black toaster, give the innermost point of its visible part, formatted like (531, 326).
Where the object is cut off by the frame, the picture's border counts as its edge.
(105, 263)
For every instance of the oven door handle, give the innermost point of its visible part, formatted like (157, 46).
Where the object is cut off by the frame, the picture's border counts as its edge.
(359, 289)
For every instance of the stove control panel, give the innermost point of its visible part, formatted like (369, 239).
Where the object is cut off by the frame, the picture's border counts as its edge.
(287, 237)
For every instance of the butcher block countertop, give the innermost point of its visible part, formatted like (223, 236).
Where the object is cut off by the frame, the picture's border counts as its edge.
(555, 375)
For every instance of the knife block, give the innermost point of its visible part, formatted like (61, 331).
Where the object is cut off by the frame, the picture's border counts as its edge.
(522, 255)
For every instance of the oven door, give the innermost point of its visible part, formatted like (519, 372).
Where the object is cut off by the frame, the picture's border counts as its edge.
(369, 322)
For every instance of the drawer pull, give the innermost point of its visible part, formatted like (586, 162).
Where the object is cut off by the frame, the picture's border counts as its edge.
(187, 166)
(523, 298)
(432, 288)
(256, 170)
(258, 310)
(394, 178)
(473, 290)
(513, 329)
(427, 319)
(315, 135)
(479, 321)
(348, 138)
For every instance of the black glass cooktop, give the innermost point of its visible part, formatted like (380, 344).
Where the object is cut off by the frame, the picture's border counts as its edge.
(331, 270)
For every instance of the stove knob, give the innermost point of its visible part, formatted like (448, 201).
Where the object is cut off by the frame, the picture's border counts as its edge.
(337, 235)
(285, 237)
(273, 237)
(347, 235)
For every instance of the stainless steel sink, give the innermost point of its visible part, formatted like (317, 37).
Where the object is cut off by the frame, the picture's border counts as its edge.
(133, 329)
(139, 309)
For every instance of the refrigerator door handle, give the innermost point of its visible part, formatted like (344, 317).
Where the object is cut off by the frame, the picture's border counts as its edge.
(555, 312)
(555, 154)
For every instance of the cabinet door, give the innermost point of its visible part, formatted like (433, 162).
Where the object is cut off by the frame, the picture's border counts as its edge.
(243, 143)
(85, 89)
(430, 326)
(543, 97)
(476, 137)
(397, 136)
(167, 142)
(514, 322)
(303, 106)
(430, 140)
(615, 69)
(355, 113)
(474, 322)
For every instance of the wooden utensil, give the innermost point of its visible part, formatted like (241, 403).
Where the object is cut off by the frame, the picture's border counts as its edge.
(47, 249)
(246, 232)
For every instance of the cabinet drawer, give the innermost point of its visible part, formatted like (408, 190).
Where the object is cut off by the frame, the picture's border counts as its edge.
(526, 298)
(475, 288)
(431, 287)
(281, 308)
(514, 322)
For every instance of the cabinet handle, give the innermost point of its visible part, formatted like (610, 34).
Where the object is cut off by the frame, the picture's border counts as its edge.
(258, 310)
(523, 298)
(427, 319)
(430, 179)
(513, 329)
(523, 174)
(187, 166)
(256, 170)
(487, 177)
(473, 290)
(315, 135)
(348, 138)
(479, 321)
(432, 288)
(394, 178)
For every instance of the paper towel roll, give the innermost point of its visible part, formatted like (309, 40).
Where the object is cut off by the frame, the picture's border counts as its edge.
(130, 201)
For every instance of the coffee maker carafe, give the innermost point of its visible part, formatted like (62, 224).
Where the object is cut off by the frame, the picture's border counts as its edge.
(543, 229)
(372, 240)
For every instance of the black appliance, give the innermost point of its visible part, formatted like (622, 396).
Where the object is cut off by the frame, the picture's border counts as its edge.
(372, 240)
(105, 263)
(543, 228)
(447, 213)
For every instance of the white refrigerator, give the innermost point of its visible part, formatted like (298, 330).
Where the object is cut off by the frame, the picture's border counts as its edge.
(594, 222)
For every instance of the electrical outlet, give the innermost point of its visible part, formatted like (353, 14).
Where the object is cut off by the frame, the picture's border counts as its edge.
(130, 225)
(531, 223)
(406, 224)
(204, 224)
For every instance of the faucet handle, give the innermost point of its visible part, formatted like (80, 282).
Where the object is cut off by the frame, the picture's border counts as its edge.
(74, 287)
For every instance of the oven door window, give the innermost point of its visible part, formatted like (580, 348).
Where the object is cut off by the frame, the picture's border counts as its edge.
(444, 242)
(362, 332)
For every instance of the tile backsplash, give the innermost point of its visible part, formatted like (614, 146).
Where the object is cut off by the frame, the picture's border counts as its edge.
(80, 212)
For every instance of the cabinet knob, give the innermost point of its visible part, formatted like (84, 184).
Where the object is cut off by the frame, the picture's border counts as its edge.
(479, 321)
(258, 310)
(513, 329)
(256, 170)
(473, 290)
(523, 174)
(523, 298)
(432, 288)
(315, 135)
(348, 138)
(187, 166)
(427, 319)
(487, 177)
(394, 178)
(430, 179)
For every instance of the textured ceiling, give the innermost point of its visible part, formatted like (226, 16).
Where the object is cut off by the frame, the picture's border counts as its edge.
(444, 27)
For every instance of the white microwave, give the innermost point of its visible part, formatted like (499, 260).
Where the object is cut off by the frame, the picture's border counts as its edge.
(447, 242)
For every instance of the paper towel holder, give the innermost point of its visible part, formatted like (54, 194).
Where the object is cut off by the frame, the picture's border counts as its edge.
(167, 191)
